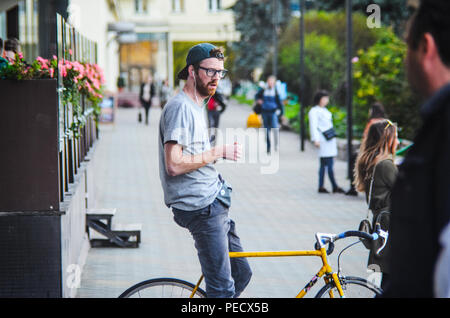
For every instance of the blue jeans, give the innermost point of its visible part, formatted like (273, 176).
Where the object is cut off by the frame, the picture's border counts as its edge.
(327, 163)
(215, 236)
(270, 120)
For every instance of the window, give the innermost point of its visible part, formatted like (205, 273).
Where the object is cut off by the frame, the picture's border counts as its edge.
(214, 5)
(140, 6)
(177, 5)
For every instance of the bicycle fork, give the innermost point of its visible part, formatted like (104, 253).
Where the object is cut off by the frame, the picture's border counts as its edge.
(328, 278)
(196, 287)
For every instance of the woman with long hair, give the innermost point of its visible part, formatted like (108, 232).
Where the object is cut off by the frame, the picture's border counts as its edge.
(375, 174)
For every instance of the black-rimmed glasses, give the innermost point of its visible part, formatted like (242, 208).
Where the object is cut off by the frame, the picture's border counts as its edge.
(212, 72)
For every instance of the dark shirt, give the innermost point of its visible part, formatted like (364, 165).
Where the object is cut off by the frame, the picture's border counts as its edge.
(384, 179)
(421, 203)
(280, 106)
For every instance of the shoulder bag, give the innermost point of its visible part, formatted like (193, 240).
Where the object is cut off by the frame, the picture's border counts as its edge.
(329, 133)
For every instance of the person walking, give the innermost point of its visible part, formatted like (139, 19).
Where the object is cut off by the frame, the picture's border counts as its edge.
(165, 93)
(146, 94)
(420, 199)
(320, 122)
(271, 110)
(375, 174)
(216, 106)
(199, 196)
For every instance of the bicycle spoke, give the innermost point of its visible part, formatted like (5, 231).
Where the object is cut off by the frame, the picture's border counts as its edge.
(163, 288)
(353, 288)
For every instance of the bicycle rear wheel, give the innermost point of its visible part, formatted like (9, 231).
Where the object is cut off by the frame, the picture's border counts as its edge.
(163, 288)
(354, 287)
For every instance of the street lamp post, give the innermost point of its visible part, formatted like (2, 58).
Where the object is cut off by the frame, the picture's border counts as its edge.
(275, 37)
(302, 75)
(349, 96)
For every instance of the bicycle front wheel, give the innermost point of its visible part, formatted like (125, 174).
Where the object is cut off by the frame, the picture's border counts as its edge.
(353, 287)
(163, 288)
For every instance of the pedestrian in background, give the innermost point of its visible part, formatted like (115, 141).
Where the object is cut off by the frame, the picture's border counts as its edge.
(3, 61)
(165, 93)
(216, 106)
(376, 113)
(421, 195)
(11, 48)
(146, 94)
(324, 138)
(271, 110)
(375, 174)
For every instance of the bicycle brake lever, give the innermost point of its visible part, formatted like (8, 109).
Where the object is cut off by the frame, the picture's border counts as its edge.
(384, 235)
(323, 239)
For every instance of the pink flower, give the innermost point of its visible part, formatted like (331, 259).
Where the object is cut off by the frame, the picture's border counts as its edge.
(51, 72)
(355, 59)
(62, 70)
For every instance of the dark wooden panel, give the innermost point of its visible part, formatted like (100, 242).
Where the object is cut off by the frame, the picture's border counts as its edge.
(30, 256)
(29, 167)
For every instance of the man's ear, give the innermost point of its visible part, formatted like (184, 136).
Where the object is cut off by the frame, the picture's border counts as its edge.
(428, 50)
(191, 70)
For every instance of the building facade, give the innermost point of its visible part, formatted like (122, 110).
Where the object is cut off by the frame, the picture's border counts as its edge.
(136, 37)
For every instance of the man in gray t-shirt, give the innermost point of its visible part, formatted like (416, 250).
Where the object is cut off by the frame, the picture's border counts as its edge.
(197, 194)
(183, 122)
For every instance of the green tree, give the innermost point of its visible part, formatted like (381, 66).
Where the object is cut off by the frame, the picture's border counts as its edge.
(324, 67)
(254, 20)
(393, 12)
(324, 52)
(380, 76)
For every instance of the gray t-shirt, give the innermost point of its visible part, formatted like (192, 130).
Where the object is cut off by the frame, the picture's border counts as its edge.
(184, 122)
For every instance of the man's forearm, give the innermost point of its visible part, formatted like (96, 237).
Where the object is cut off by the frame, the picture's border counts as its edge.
(182, 164)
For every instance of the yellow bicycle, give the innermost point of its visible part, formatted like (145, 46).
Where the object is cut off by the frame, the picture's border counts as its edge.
(336, 285)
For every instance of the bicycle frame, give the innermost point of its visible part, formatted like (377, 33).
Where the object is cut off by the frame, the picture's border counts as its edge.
(325, 270)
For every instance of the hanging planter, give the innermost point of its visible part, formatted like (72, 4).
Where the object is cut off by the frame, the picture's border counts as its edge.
(30, 124)
(79, 80)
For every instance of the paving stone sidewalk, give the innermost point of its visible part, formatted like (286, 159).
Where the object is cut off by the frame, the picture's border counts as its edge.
(278, 211)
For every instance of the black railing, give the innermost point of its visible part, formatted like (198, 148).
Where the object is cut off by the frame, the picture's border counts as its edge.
(78, 128)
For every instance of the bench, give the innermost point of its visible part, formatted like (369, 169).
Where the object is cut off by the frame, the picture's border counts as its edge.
(102, 233)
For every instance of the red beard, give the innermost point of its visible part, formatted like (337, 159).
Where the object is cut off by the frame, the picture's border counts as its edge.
(207, 89)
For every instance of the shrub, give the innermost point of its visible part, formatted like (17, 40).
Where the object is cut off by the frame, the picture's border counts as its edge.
(380, 76)
(323, 65)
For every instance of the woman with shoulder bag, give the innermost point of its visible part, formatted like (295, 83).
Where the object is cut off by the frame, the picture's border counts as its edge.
(323, 137)
(375, 174)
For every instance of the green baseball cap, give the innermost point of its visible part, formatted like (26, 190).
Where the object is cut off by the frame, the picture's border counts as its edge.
(197, 54)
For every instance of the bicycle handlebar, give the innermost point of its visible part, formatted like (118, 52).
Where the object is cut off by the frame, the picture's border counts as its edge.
(364, 235)
(323, 239)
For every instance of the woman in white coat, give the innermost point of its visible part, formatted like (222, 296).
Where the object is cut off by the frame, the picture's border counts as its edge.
(320, 120)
